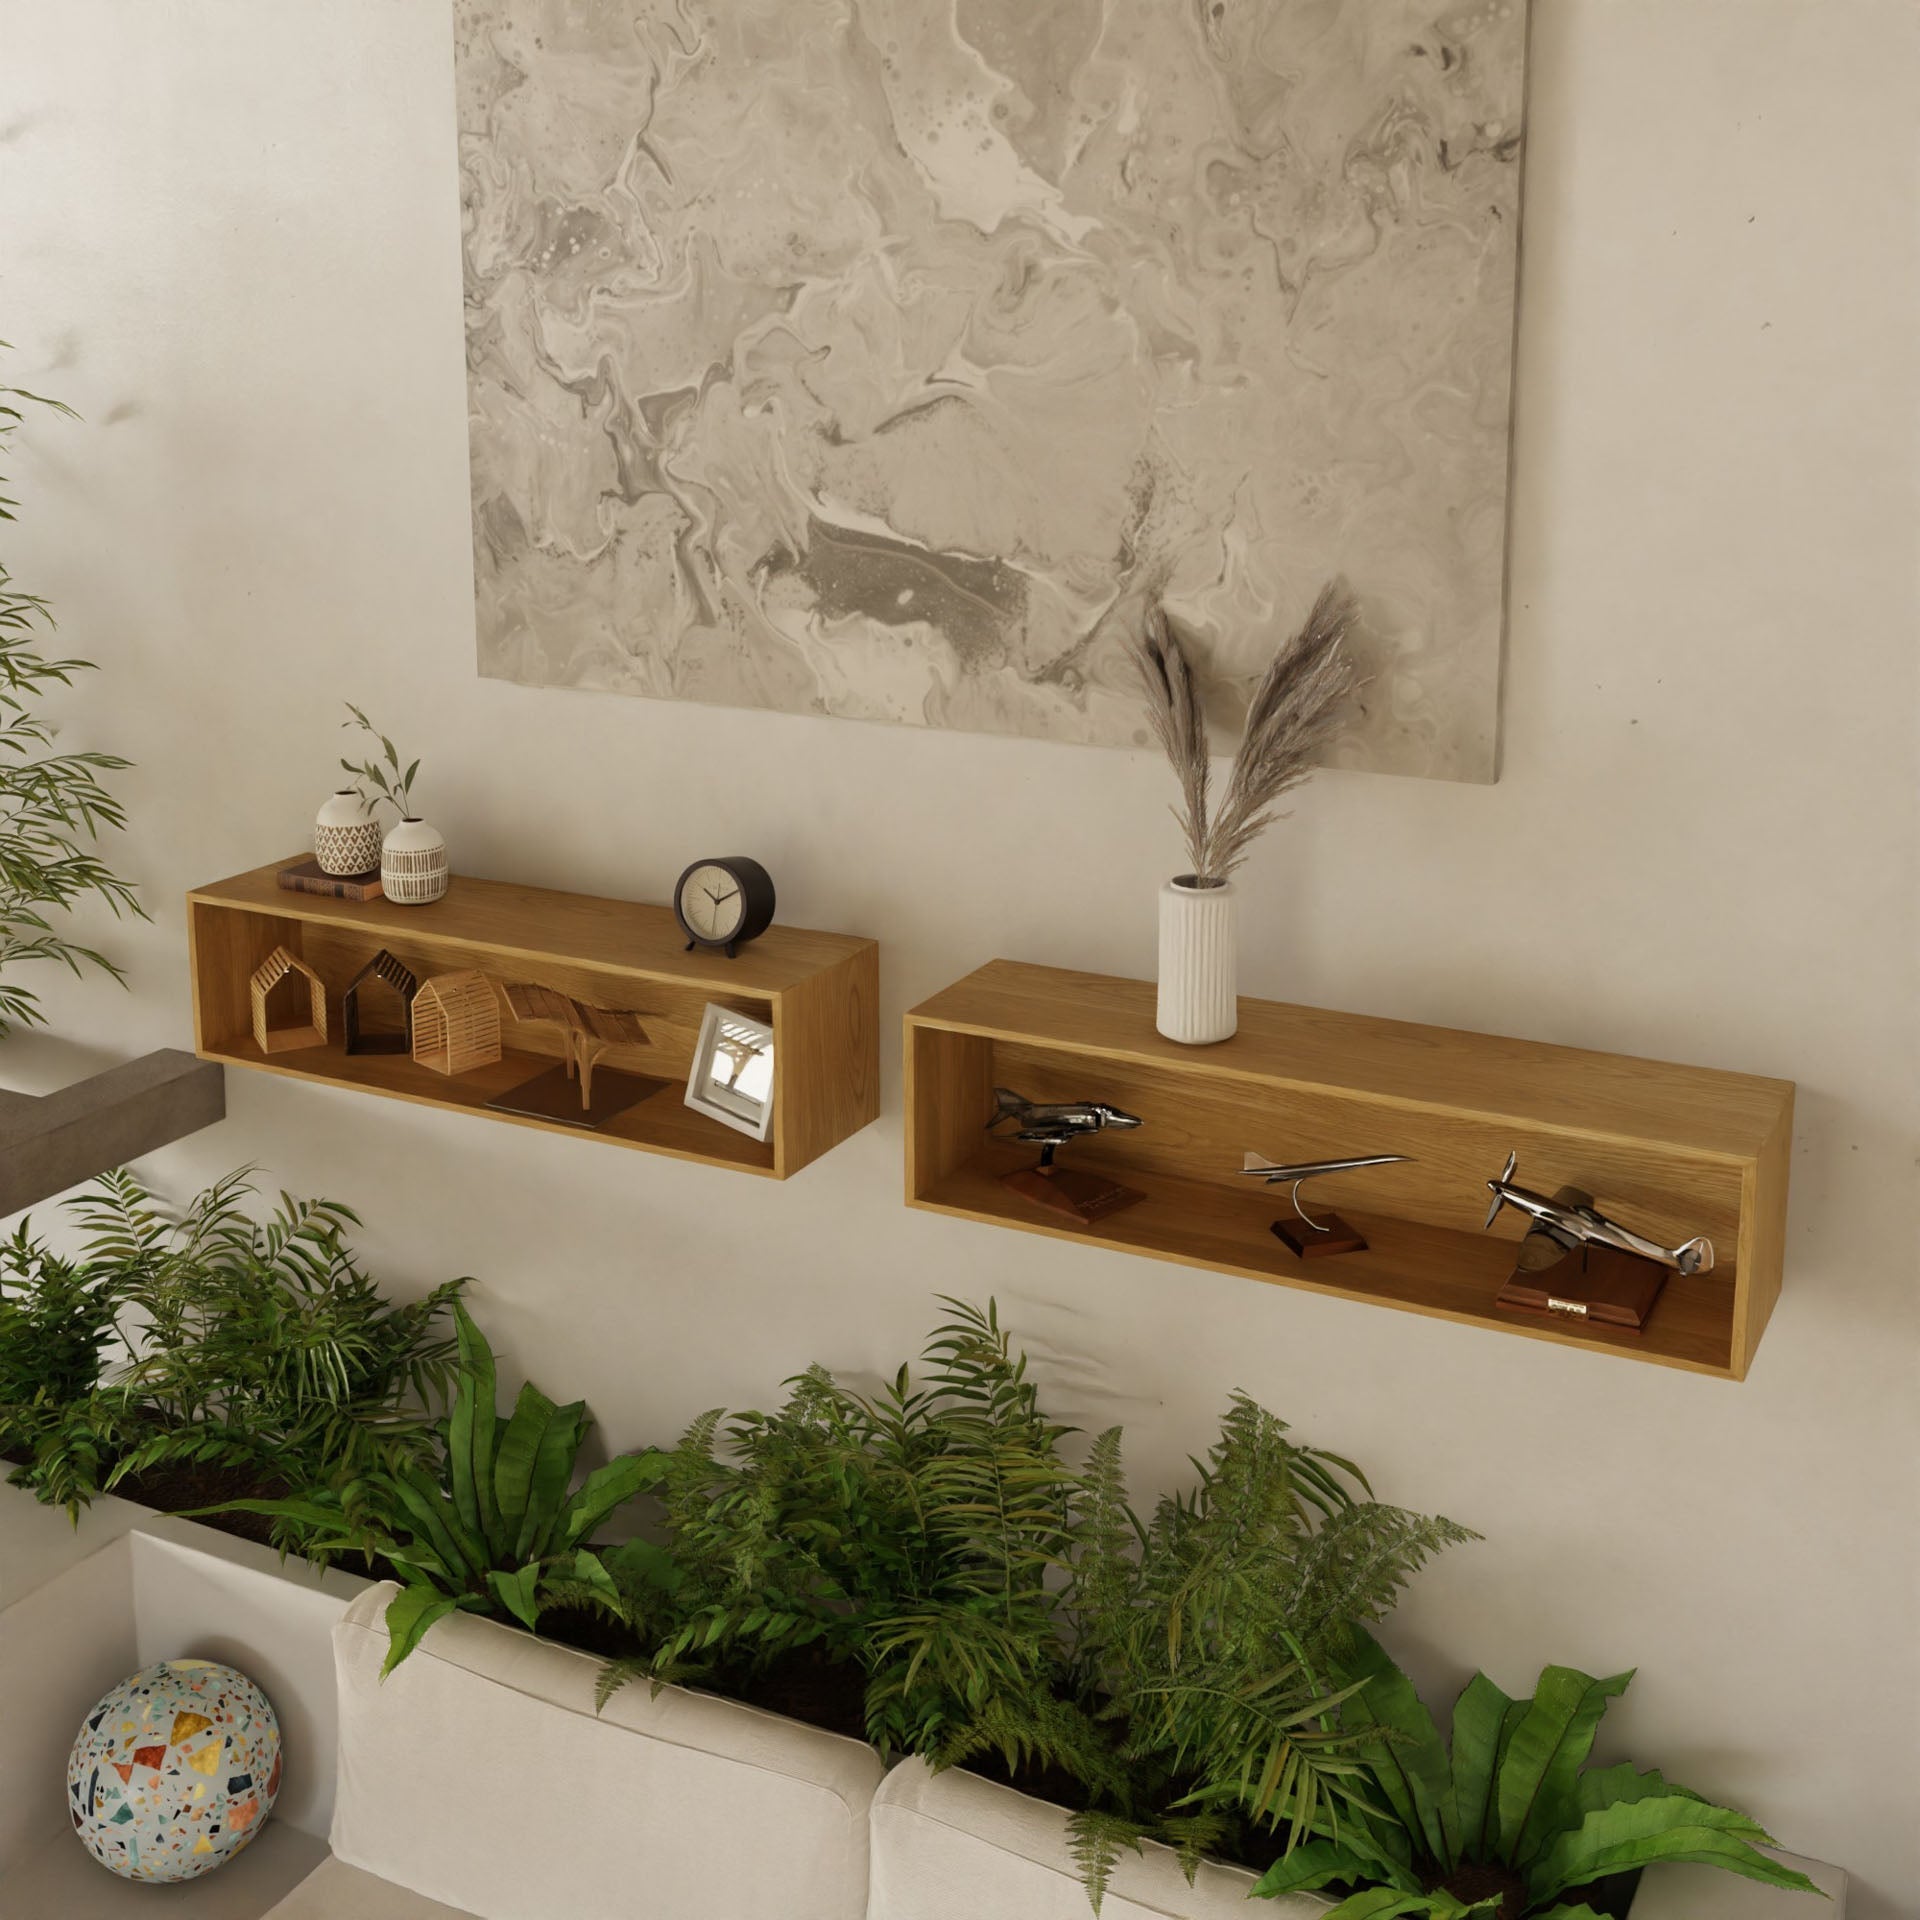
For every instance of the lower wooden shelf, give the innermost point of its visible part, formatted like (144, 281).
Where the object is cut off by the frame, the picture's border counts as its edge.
(662, 1123)
(1437, 1271)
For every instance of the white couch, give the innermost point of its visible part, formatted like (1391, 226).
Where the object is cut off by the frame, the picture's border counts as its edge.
(477, 1779)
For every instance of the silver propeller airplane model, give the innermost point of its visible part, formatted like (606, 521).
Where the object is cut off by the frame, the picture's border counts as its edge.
(1273, 1173)
(1586, 1224)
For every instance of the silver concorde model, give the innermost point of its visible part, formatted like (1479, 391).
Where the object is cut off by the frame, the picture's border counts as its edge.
(1257, 1167)
(1588, 1223)
(1054, 1126)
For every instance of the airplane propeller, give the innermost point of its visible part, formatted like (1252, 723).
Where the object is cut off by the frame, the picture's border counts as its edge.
(1499, 1198)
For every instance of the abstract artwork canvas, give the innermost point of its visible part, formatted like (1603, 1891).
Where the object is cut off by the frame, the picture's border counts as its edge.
(881, 358)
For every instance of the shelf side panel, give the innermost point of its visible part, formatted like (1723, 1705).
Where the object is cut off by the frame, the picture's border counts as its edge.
(826, 1059)
(949, 1093)
(227, 946)
(1763, 1242)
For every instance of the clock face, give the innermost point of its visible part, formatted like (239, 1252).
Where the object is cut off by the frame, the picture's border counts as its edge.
(712, 904)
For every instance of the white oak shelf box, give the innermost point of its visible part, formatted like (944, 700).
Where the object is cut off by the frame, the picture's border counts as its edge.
(818, 991)
(1670, 1150)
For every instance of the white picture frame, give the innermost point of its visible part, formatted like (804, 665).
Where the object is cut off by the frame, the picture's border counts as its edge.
(730, 1047)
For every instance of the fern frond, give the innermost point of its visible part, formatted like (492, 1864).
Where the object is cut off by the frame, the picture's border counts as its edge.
(1096, 1840)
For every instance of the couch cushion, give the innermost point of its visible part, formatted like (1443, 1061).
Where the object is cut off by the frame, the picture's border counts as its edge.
(479, 1774)
(951, 1846)
(336, 1891)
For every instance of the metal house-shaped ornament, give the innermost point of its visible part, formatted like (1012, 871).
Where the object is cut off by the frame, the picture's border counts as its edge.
(456, 1022)
(289, 1004)
(376, 1011)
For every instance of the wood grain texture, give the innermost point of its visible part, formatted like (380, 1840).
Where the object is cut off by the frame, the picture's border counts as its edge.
(1696, 1109)
(820, 992)
(507, 922)
(826, 1059)
(1763, 1240)
(1419, 1269)
(1671, 1150)
(949, 1094)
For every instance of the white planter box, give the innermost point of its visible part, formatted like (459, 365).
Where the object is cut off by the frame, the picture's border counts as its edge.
(479, 1776)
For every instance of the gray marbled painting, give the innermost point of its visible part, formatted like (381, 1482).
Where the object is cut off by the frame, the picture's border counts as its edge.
(876, 357)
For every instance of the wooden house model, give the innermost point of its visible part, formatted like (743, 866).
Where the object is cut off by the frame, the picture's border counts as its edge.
(456, 1022)
(376, 1009)
(289, 1004)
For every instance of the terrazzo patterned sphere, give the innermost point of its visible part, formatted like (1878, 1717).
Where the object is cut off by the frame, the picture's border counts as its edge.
(174, 1771)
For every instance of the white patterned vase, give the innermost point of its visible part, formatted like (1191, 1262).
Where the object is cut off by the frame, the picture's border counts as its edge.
(346, 836)
(1199, 962)
(413, 864)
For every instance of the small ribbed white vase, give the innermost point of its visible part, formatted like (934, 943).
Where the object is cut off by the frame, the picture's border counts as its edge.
(346, 836)
(1199, 962)
(413, 864)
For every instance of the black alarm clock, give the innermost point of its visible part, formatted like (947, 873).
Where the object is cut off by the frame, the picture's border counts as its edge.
(723, 902)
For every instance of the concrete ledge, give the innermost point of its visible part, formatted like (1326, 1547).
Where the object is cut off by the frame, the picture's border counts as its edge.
(54, 1141)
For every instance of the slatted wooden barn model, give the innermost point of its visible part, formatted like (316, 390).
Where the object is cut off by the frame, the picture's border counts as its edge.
(456, 1022)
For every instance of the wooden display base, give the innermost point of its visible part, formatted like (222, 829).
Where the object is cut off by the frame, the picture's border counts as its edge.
(1070, 1192)
(1339, 1237)
(555, 1095)
(292, 1039)
(364, 1044)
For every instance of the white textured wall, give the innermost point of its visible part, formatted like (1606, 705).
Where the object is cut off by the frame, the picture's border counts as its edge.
(228, 234)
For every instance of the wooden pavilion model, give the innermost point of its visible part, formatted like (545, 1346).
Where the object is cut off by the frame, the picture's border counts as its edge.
(587, 1031)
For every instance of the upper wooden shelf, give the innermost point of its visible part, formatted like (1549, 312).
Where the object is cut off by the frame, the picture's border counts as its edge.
(818, 991)
(1670, 1150)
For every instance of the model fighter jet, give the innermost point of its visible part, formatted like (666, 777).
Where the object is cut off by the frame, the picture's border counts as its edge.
(1574, 1225)
(1053, 1126)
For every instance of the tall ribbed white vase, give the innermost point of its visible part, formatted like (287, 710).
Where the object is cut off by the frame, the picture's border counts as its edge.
(413, 864)
(1199, 962)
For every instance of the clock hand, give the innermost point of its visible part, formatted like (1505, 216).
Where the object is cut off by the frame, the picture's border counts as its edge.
(721, 900)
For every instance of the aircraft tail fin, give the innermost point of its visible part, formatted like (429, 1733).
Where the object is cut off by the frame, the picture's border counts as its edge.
(1007, 1103)
(1257, 1163)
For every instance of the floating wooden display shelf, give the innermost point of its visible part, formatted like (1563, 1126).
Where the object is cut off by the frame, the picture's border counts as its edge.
(818, 991)
(1669, 1150)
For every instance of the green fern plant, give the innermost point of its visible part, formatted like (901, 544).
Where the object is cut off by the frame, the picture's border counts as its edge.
(262, 1344)
(53, 806)
(1509, 1821)
(915, 1535)
(58, 1319)
(497, 1530)
(1214, 1636)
